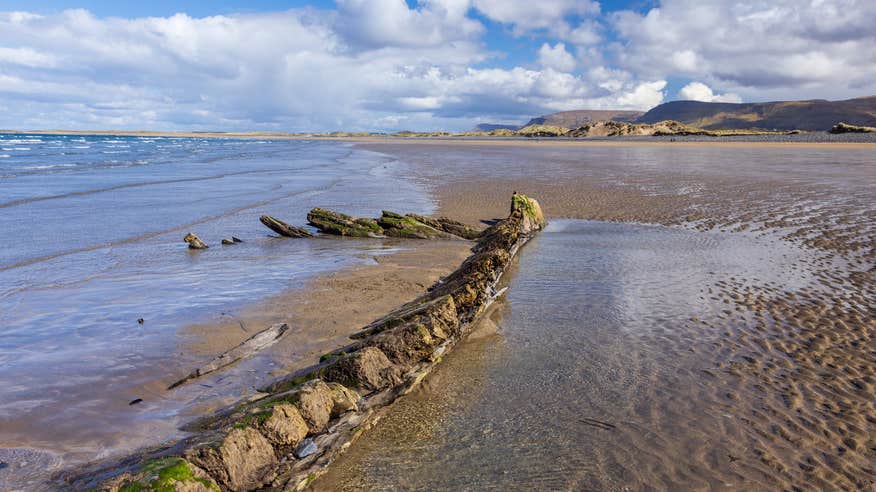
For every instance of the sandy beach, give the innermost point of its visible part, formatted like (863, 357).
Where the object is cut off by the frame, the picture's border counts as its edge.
(794, 368)
(592, 245)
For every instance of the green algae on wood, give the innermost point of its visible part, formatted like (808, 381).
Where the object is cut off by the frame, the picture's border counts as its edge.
(340, 224)
(168, 475)
(450, 226)
(397, 225)
(531, 211)
(390, 224)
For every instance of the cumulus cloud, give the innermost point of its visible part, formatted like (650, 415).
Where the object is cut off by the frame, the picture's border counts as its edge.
(556, 57)
(758, 49)
(644, 96)
(698, 91)
(376, 23)
(528, 15)
(299, 70)
(561, 18)
(396, 64)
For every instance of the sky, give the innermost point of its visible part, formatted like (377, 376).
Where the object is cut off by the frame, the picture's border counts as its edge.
(389, 65)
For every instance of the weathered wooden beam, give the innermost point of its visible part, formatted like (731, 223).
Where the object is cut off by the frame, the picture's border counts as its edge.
(283, 228)
(247, 348)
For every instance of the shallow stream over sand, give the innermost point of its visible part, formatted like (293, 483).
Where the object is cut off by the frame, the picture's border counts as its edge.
(600, 376)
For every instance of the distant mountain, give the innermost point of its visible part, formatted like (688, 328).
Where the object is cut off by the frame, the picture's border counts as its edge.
(488, 127)
(781, 115)
(577, 118)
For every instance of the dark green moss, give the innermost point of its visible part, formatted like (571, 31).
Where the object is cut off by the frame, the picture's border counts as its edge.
(524, 204)
(331, 355)
(259, 418)
(161, 475)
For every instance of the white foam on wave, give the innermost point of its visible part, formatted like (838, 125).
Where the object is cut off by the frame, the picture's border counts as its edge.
(4, 156)
(46, 166)
(15, 141)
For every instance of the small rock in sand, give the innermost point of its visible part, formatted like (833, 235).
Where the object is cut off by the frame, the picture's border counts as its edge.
(194, 242)
(135, 401)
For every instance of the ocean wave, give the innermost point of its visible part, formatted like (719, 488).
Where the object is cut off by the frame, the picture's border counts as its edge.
(15, 141)
(4, 156)
(46, 166)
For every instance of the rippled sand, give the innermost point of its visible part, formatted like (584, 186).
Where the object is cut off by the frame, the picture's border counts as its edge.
(759, 379)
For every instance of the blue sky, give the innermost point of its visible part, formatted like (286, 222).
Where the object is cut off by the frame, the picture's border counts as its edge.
(385, 65)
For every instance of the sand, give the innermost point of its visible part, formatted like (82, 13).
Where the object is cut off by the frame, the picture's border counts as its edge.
(797, 367)
(803, 362)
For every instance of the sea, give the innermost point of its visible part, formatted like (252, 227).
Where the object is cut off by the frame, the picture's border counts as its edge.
(93, 232)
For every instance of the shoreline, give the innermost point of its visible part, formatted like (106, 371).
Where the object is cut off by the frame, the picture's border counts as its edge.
(815, 139)
(334, 399)
(476, 198)
(327, 308)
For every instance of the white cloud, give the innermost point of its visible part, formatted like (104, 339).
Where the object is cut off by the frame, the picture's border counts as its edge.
(644, 96)
(556, 57)
(392, 22)
(388, 64)
(26, 57)
(528, 15)
(300, 70)
(697, 91)
(757, 49)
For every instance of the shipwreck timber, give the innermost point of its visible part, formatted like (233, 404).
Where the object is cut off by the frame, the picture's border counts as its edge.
(286, 436)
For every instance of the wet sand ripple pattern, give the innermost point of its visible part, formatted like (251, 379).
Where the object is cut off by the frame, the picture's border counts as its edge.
(793, 363)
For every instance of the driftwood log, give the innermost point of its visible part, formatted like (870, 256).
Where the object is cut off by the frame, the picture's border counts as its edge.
(390, 224)
(247, 348)
(340, 224)
(283, 228)
(253, 445)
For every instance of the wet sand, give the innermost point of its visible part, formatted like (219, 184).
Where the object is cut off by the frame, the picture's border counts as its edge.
(792, 363)
(802, 359)
(325, 311)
